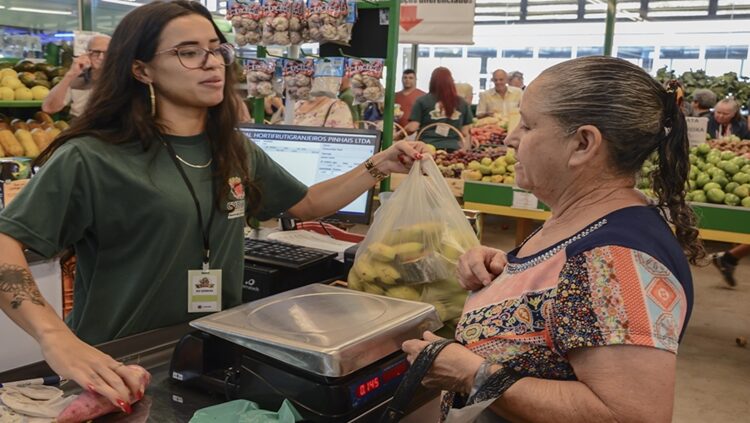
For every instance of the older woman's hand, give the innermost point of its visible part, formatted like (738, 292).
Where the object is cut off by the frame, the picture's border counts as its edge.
(479, 266)
(400, 156)
(453, 369)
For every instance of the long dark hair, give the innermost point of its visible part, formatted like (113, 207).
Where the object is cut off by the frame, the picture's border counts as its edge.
(444, 90)
(636, 117)
(119, 108)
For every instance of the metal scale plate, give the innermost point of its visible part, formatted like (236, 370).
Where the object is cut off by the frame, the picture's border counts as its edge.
(325, 330)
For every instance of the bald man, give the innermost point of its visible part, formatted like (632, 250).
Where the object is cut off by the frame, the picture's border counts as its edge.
(502, 99)
(76, 85)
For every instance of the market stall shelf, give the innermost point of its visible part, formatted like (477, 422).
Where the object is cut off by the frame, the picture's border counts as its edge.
(716, 222)
(19, 103)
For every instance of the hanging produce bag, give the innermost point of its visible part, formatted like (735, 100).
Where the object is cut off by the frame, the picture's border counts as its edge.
(260, 75)
(365, 77)
(411, 250)
(298, 74)
(275, 22)
(328, 74)
(245, 17)
(331, 21)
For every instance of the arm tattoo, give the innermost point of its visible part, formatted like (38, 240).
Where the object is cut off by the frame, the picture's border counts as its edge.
(18, 282)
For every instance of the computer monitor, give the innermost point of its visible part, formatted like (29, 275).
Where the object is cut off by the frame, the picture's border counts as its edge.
(313, 154)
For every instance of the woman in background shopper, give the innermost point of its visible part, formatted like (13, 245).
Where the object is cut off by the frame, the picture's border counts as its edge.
(581, 322)
(442, 105)
(151, 182)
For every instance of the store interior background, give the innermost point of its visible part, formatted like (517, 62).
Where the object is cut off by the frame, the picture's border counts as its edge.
(713, 35)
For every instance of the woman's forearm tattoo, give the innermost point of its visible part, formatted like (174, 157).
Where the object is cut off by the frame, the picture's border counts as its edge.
(18, 282)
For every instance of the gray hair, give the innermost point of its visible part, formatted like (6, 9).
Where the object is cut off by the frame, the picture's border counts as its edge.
(636, 116)
(732, 102)
(705, 98)
(515, 74)
(94, 37)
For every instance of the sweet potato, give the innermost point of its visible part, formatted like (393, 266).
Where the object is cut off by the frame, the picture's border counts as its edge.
(89, 406)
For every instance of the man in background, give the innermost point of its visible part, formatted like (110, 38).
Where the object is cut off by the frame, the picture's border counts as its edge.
(406, 97)
(502, 99)
(76, 85)
(703, 101)
(726, 121)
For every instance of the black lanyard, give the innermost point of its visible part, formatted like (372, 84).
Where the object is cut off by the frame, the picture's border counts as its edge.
(205, 231)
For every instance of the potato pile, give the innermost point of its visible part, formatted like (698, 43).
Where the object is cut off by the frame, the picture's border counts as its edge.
(19, 138)
(416, 262)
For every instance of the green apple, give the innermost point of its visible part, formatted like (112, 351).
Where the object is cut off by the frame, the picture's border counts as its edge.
(730, 187)
(721, 180)
(731, 200)
(702, 180)
(711, 185)
(742, 191)
(703, 148)
(486, 161)
(741, 177)
(727, 155)
(699, 196)
(713, 158)
(715, 196)
(731, 168)
(746, 202)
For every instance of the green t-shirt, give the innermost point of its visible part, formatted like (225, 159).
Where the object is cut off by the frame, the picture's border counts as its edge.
(427, 111)
(133, 224)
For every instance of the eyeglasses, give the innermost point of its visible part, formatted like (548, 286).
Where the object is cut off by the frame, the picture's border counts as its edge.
(96, 53)
(196, 57)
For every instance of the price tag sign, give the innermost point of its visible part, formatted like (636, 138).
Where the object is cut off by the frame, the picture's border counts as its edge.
(11, 189)
(697, 128)
(524, 200)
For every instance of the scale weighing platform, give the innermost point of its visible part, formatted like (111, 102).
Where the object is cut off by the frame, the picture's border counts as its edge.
(334, 353)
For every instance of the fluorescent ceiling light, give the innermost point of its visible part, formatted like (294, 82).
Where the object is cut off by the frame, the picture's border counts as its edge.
(123, 2)
(43, 11)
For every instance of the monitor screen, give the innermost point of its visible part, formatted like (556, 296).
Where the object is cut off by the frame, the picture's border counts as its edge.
(313, 155)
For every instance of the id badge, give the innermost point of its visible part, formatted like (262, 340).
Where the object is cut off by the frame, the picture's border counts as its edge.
(442, 130)
(204, 290)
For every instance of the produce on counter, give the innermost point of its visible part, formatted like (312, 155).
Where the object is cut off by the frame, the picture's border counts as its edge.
(90, 405)
(724, 85)
(19, 138)
(733, 144)
(415, 262)
(715, 176)
(28, 81)
(483, 163)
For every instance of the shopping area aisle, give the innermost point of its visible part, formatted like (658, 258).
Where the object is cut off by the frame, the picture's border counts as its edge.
(713, 373)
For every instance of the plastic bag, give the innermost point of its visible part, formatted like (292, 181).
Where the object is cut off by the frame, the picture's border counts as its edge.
(245, 17)
(365, 76)
(275, 22)
(298, 74)
(259, 74)
(412, 248)
(331, 21)
(298, 31)
(328, 74)
(242, 411)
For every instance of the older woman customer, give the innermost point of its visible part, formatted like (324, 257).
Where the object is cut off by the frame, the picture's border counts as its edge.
(581, 322)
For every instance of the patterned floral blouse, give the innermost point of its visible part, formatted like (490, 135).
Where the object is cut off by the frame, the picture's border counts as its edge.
(622, 281)
(331, 113)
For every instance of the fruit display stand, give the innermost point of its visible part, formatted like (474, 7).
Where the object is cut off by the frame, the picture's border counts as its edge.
(716, 222)
(24, 104)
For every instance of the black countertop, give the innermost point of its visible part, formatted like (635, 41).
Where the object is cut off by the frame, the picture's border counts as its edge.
(165, 400)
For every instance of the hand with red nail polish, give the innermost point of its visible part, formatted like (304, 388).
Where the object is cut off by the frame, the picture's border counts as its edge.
(400, 156)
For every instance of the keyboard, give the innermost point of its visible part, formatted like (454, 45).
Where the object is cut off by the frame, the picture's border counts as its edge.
(281, 254)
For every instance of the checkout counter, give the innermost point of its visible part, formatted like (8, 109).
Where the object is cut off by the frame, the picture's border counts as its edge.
(341, 366)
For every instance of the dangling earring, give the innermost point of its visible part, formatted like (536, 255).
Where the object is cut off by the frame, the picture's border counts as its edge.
(153, 99)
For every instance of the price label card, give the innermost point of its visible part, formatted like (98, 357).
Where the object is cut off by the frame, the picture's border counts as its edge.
(524, 200)
(697, 128)
(11, 189)
(442, 130)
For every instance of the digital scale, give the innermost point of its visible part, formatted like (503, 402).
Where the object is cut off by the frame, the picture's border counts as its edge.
(334, 353)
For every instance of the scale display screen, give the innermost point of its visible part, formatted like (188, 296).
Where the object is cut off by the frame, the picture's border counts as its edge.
(383, 379)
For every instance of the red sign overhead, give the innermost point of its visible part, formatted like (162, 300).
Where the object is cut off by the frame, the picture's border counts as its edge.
(409, 17)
